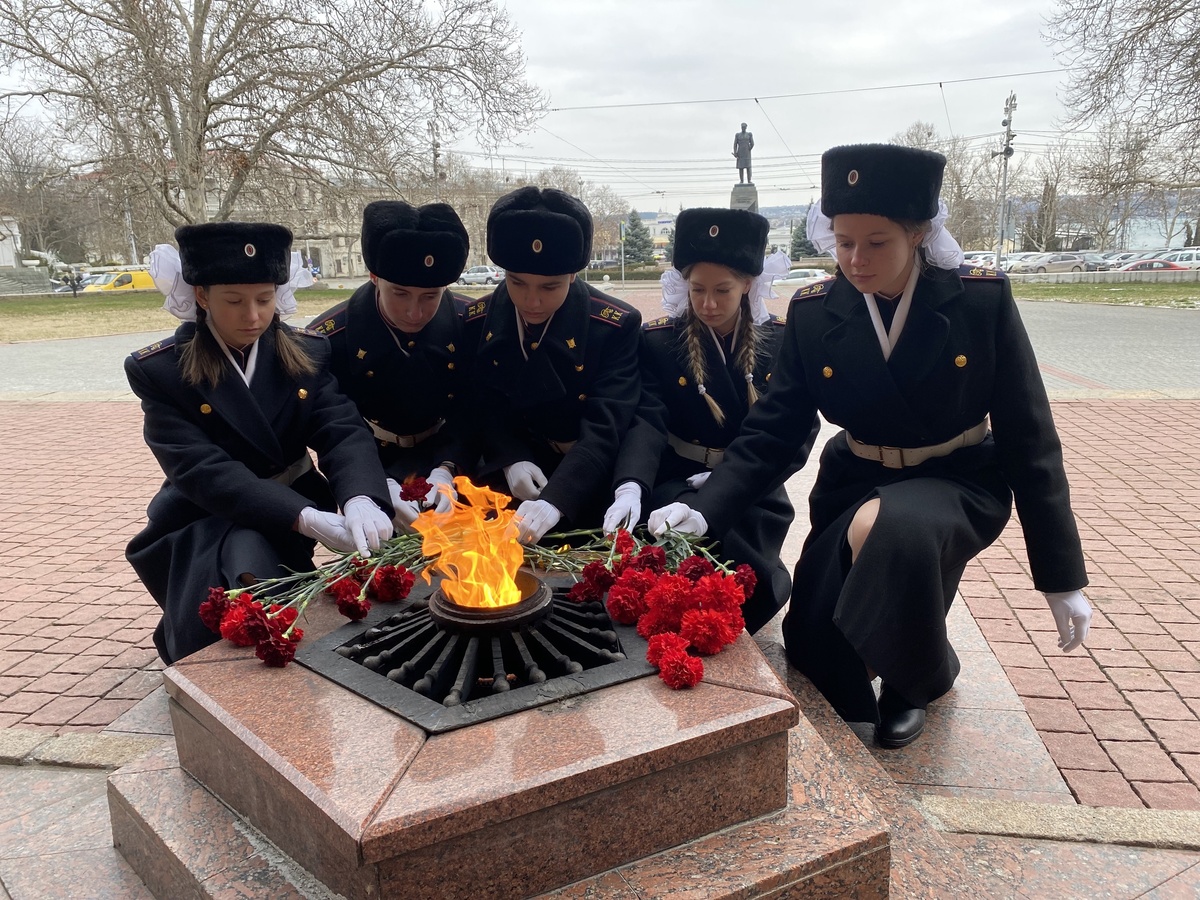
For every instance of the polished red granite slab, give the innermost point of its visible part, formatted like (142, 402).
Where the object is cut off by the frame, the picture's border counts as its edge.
(371, 802)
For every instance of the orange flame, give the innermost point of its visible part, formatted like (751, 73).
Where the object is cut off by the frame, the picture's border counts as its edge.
(475, 546)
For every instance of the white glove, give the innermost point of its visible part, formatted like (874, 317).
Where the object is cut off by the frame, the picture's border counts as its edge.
(626, 508)
(440, 499)
(326, 527)
(534, 519)
(1072, 615)
(677, 517)
(525, 480)
(367, 523)
(405, 511)
(694, 481)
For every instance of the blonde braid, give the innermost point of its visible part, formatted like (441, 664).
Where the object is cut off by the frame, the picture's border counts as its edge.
(747, 350)
(696, 335)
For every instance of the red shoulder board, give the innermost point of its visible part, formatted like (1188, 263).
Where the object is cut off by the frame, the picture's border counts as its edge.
(156, 347)
(605, 312)
(655, 324)
(331, 324)
(777, 320)
(813, 290)
(476, 309)
(980, 272)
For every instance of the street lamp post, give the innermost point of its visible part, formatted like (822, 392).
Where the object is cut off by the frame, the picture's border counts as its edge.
(1004, 153)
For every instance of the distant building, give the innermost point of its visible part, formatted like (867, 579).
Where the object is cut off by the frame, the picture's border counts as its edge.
(10, 242)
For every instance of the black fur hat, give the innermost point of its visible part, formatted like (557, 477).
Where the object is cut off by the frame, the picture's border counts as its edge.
(539, 232)
(881, 179)
(234, 253)
(423, 246)
(736, 238)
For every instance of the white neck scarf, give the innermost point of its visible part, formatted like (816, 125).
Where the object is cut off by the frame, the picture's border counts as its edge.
(251, 357)
(521, 330)
(888, 338)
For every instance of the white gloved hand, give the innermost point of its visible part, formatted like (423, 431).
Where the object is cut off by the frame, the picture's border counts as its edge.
(525, 480)
(534, 519)
(694, 481)
(626, 508)
(368, 525)
(676, 517)
(326, 527)
(404, 511)
(1072, 615)
(440, 499)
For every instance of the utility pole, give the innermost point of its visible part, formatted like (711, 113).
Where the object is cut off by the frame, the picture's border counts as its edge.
(1005, 152)
(622, 229)
(433, 142)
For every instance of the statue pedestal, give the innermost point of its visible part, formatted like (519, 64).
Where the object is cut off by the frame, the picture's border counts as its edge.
(744, 196)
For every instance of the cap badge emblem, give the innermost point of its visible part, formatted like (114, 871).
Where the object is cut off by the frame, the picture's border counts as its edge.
(537, 246)
(852, 177)
(429, 260)
(714, 231)
(250, 250)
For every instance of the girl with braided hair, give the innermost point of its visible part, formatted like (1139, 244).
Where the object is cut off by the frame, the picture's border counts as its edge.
(704, 365)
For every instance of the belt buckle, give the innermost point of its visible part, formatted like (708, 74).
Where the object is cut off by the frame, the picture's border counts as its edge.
(891, 457)
(708, 452)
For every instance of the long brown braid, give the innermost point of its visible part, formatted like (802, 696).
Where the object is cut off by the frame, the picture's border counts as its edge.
(696, 333)
(748, 348)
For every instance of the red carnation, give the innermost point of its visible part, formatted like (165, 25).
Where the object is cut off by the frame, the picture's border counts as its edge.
(707, 630)
(353, 608)
(415, 489)
(344, 587)
(278, 650)
(657, 621)
(679, 670)
(746, 577)
(624, 542)
(391, 583)
(245, 622)
(653, 559)
(662, 643)
(720, 592)
(669, 598)
(596, 580)
(694, 568)
(280, 619)
(627, 596)
(214, 608)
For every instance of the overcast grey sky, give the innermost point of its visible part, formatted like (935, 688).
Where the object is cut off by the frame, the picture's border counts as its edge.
(589, 53)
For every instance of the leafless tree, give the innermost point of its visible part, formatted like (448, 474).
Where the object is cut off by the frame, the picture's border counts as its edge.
(195, 105)
(1113, 172)
(1135, 59)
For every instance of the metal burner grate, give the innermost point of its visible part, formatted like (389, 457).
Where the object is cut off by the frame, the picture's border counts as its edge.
(442, 680)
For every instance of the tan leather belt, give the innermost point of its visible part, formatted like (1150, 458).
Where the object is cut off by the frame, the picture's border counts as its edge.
(405, 440)
(900, 457)
(562, 447)
(300, 467)
(710, 456)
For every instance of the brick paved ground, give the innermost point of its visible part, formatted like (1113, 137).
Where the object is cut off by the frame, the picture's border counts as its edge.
(1120, 720)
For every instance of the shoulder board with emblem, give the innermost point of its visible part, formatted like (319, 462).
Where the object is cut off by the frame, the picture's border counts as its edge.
(332, 323)
(965, 271)
(777, 320)
(655, 324)
(607, 312)
(473, 309)
(151, 349)
(311, 332)
(813, 290)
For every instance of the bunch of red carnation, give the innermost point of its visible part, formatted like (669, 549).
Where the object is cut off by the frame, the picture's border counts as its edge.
(243, 621)
(692, 612)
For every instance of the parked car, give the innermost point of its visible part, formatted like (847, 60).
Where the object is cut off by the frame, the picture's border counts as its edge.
(1051, 262)
(803, 276)
(1188, 258)
(482, 275)
(139, 280)
(1151, 265)
(1119, 257)
(1007, 262)
(66, 287)
(1095, 262)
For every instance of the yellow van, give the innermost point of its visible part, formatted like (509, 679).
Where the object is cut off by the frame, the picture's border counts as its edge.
(135, 280)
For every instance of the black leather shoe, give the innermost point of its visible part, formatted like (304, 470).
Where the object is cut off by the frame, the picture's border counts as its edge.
(900, 723)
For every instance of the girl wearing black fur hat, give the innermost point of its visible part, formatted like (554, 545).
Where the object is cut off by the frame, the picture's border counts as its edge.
(704, 365)
(232, 403)
(914, 356)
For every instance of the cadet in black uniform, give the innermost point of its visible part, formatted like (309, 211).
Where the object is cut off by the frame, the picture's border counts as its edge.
(557, 365)
(703, 367)
(912, 356)
(232, 403)
(400, 352)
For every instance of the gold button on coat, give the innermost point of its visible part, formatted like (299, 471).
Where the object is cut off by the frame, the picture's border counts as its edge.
(960, 360)
(205, 408)
(583, 396)
(302, 393)
(827, 372)
(449, 365)
(682, 381)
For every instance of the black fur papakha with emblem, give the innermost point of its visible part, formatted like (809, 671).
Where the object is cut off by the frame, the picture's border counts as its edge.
(736, 238)
(414, 246)
(234, 253)
(539, 231)
(901, 183)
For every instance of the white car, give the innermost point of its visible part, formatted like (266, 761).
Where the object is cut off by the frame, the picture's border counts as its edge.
(803, 276)
(482, 275)
(1189, 258)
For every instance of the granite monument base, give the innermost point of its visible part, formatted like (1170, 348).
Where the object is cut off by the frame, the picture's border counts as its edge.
(286, 784)
(744, 196)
